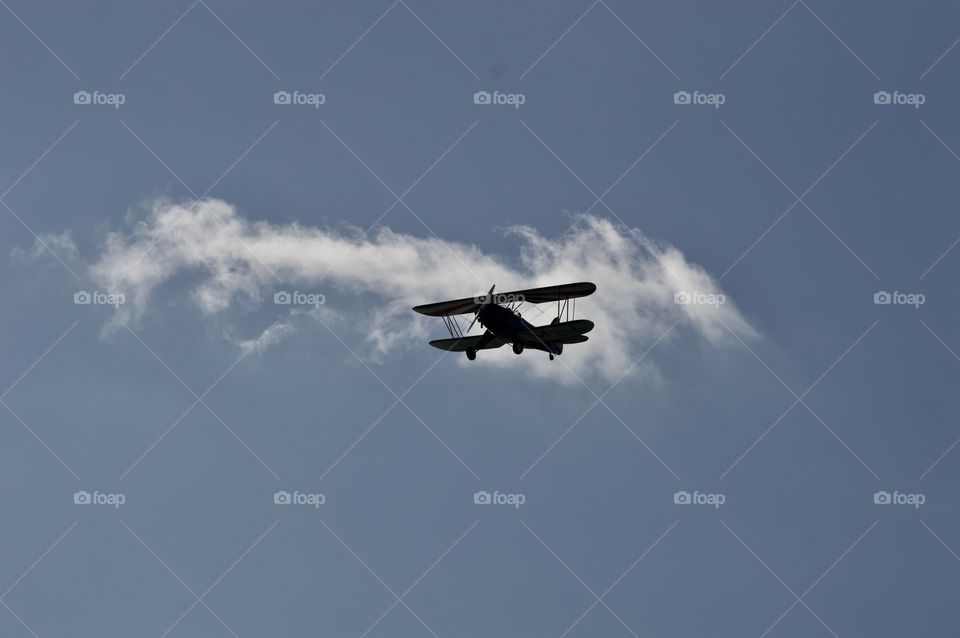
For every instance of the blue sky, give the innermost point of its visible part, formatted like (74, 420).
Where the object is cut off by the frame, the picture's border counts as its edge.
(774, 459)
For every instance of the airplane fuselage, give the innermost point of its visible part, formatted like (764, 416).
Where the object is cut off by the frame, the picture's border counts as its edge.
(512, 328)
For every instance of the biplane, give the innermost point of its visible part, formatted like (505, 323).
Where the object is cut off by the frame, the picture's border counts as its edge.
(499, 315)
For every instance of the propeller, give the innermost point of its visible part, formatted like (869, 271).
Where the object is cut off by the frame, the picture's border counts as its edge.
(486, 300)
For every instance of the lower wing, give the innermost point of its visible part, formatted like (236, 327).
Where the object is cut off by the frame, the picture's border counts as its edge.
(466, 343)
(565, 332)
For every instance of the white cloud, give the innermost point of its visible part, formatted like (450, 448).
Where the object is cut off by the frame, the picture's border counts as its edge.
(225, 258)
(271, 335)
(61, 245)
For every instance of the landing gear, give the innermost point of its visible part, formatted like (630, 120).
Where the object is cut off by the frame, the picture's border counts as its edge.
(517, 348)
(471, 354)
(551, 357)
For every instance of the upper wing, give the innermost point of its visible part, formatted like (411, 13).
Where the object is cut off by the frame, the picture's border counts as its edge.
(566, 332)
(454, 307)
(531, 295)
(553, 293)
(466, 343)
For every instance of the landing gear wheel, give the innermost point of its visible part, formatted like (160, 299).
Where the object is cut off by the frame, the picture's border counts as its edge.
(551, 357)
(471, 354)
(517, 348)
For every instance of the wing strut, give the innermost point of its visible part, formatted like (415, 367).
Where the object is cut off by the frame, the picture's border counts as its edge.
(453, 326)
(567, 307)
